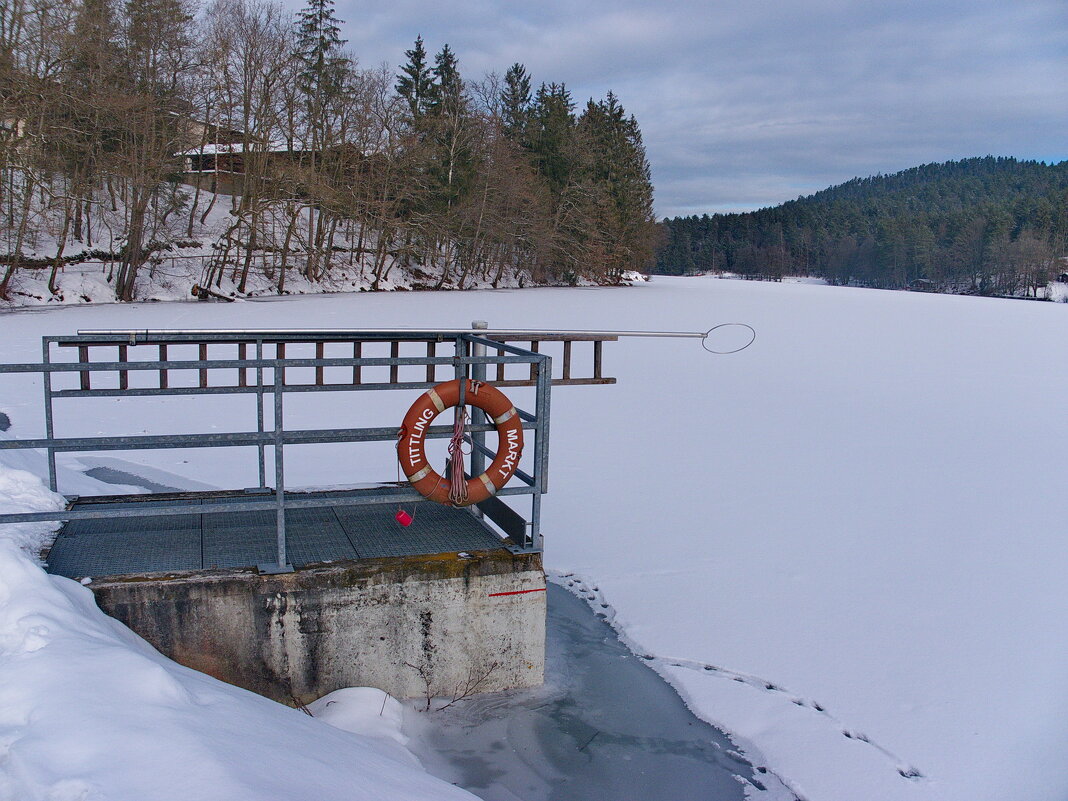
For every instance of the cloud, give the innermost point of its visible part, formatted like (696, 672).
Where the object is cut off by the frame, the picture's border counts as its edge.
(747, 103)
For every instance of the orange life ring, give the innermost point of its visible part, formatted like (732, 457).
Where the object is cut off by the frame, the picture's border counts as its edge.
(412, 456)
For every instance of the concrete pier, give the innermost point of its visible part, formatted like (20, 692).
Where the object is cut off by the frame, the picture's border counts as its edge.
(413, 622)
(439, 624)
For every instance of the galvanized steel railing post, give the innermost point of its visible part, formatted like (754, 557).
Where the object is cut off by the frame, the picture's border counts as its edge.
(460, 371)
(282, 565)
(478, 373)
(541, 447)
(259, 413)
(49, 425)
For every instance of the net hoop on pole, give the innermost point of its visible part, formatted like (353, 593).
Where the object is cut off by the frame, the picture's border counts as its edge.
(752, 338)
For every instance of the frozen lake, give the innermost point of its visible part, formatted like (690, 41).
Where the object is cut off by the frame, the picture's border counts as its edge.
(857, 521)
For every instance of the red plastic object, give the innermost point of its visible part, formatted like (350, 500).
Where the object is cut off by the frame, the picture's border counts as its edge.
(403, 517)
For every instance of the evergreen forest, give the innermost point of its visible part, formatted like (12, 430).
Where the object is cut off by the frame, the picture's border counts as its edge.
(993, 226)
(125, 124)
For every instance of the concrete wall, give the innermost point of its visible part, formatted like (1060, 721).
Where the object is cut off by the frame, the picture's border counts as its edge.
(399, 624)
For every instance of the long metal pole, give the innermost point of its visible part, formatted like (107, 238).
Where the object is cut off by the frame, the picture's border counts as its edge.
(519, 333)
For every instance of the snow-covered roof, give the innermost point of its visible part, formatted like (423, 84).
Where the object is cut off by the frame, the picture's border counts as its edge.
(236, 147)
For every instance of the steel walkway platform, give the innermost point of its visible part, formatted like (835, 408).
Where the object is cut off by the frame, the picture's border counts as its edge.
(342, 531)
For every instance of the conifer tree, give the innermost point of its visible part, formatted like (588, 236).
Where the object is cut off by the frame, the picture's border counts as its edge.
(965, 226)
(324, 67)
(447, 88)
(553, 136)
(323, 81)
(516, 103)
(621, 185)
(448, 115)
(415, 83)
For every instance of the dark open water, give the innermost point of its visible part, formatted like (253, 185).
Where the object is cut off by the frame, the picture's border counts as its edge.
(604, 727)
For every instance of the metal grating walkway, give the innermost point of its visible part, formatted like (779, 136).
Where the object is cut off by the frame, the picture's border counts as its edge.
(341, 531)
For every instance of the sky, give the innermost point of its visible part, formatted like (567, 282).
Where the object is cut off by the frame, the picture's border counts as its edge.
(747, 103)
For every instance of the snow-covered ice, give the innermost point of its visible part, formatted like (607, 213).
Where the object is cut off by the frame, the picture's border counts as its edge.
(844, 544)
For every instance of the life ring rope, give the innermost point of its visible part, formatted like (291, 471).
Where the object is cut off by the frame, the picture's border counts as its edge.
(458, 493)
(457, 490)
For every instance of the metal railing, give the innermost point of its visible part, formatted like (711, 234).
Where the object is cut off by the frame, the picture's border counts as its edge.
(143, 363)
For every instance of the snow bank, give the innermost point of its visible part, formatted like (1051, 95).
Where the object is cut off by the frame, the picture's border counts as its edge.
(21, 492)
(172, 280)
(90, 712)
(1057, 292)
(369, 712)
(804, 279)
(181, 262)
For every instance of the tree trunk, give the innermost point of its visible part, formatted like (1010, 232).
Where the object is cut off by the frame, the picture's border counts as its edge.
(27, 198)
(252, 241)
(214, 197)
(291, 229)
(88, 222)
(58, 260)
(133, 255)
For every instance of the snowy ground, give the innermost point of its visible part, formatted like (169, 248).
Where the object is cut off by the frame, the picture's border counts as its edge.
(843, 544)
(90, 712)
(173, 270)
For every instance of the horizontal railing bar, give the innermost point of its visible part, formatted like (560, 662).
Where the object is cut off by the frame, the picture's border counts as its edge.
(271, 337)
(118, 443)
(235, 439)
(252, 389)
(579, 382)
(246, 364)
(556, 382)
(400, 495)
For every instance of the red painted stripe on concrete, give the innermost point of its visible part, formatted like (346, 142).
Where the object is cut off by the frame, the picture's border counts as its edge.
(515, 592)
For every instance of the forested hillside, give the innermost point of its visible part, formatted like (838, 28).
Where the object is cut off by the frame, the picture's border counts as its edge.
(987, 225)
(126, 128)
